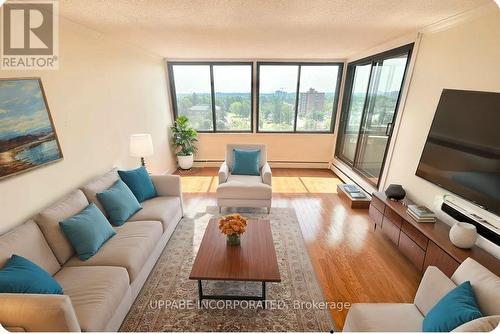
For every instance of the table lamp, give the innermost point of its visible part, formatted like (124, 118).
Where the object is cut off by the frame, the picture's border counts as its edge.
(141, 145)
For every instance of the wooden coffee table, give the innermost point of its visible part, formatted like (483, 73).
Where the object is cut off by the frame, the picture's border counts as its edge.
(253, 260)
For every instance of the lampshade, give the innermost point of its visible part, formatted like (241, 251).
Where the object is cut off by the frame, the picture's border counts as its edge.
(141, 145)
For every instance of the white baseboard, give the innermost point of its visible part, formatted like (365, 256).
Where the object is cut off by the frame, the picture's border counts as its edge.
(273, 164)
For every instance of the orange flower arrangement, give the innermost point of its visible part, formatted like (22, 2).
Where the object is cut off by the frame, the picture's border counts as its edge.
(234, 224)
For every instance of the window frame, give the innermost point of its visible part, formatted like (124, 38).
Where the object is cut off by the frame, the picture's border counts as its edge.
(346, 101)
(211, 64)
(335, 106)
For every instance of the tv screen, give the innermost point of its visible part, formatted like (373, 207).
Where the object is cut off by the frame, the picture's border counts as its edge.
(462, 151)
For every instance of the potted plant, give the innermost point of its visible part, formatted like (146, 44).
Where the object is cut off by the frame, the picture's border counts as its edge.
(184, 138)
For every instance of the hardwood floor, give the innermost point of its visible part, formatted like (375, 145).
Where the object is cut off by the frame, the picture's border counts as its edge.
(353, 263)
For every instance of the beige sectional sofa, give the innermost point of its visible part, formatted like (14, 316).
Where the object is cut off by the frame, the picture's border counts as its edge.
(98, 292)
(408, 317)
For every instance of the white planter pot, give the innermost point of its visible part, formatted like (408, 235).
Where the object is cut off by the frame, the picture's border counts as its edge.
(463, 235)
(185, 161)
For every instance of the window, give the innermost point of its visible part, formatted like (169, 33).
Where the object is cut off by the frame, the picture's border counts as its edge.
(277, 96)
(292, 97)
(215, 97)
(317, 98)
(233, 97)
(372, 90)
(297, 97)
(193, 95)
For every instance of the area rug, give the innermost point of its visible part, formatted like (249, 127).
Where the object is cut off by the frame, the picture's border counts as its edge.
(169, 300)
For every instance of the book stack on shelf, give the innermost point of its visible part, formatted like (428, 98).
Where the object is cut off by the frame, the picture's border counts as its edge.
(354, 191)
(421, 214)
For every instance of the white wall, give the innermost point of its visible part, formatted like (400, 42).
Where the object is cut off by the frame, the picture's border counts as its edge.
(103, 92)
(296, 150)
(465, 56)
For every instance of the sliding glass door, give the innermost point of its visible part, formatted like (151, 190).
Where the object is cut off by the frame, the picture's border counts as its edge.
(359, 89)
(371, 99)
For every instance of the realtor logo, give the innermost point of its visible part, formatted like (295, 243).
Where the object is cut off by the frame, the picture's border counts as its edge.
(29, 35)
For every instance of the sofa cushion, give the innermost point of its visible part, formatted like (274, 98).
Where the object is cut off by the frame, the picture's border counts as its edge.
(139, 181)
(244, 187)
(87, 231)
(456, 308)
(129, 248)
(48, 221)
(230, 154)
(433, 286)
(20, 275)
(165, 209)
(119, 202)
(95, 293)
(483, 283)
(246, 162)
(27, 240)
(254, 179)
(99, 185)
(381, 317)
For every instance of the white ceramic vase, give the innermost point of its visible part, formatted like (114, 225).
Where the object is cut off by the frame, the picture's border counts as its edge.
(463, 235)
(185, 161)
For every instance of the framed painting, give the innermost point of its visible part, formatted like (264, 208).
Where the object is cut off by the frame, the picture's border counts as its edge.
(28, 137)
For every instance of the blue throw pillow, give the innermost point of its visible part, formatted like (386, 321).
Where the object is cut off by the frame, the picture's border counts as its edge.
(119, 202)
(87, 231)
(20, 275)
(139, 181)
(246, 162)
(456, 308)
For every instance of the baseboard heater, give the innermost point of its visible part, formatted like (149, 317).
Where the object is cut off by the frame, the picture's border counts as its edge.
(463, 216)
(346, 179)
(271, 161)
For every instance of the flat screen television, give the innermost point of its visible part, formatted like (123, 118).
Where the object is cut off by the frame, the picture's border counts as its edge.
(462, 151)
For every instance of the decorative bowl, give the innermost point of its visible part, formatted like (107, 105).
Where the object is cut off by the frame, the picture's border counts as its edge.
(463, 235)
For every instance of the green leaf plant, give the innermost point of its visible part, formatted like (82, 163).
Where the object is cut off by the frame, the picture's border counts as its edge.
(184, 137)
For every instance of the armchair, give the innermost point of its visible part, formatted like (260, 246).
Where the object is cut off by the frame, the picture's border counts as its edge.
(245, 190)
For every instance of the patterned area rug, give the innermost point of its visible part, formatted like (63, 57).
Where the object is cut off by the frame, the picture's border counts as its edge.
(169, 300)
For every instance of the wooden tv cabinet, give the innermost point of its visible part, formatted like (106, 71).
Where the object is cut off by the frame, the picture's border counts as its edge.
(424, 244)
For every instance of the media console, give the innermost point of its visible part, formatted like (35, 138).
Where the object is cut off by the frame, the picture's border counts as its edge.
(424, 244)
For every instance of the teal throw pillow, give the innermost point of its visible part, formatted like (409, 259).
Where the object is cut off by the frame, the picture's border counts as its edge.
(119, 202)
(246, 162)
(87, 231)
(139, 181)
(20, 275)
(456, 308)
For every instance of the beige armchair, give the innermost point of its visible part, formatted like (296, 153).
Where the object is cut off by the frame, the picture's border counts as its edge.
(245, 190)
(392, 317)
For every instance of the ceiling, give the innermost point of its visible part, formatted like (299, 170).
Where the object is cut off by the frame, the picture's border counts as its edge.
(260, 28)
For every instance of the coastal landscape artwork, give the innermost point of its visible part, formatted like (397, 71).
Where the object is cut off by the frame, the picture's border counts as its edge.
(27, 135)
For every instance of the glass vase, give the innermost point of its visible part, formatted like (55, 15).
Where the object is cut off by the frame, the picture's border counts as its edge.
(233, 240)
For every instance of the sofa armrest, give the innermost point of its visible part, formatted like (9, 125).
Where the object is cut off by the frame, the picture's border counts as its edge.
(167, 185)
(38, 312)
(267, 175)
(434, 285)
(484, 324)
(223, 172)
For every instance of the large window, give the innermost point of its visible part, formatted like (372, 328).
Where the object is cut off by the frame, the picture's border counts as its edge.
(371, 97)
(297, 97)
(216, 97)
(291, 97)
